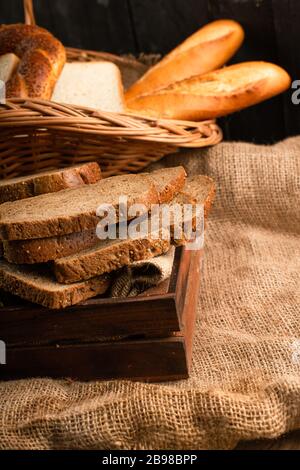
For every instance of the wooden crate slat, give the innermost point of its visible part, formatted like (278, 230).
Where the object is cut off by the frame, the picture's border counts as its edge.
(152, 356)
(145, 314)
(156, 359)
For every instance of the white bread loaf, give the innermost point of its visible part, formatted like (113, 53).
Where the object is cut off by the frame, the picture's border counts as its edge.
(8, 64)
(95, 85)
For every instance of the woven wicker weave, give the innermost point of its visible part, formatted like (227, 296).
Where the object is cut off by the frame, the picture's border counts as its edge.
(37, 135)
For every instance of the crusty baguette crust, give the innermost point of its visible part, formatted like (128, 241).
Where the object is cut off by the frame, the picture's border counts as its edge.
(37, 285)
(215, 94)
(206, 50)
(42, 59)
(72, 210)
(49, 182)
(108, 256)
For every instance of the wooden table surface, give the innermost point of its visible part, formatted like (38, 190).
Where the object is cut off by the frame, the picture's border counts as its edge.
(289, 441)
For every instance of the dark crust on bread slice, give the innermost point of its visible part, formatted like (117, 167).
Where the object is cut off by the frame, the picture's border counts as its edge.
(107, 256)
(72, 210)
(49, 182)
(36, 284)
(168, 181)
(41, 250)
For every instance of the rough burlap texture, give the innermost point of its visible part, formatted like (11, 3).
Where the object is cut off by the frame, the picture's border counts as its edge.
(133, 280)
(245, 378)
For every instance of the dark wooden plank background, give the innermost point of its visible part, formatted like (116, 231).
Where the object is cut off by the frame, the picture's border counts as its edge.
(122, 26)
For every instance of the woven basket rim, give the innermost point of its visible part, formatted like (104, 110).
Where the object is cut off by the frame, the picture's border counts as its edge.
(19, 114)
(37, 135)
(33, 113)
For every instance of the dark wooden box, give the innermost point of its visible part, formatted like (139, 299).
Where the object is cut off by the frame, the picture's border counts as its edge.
(144, 338)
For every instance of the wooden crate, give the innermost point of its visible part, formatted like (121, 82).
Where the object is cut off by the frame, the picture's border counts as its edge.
(144, 338)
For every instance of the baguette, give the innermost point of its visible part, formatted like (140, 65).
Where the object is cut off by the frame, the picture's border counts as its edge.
(206, 50)
(37, 284)
(215, 94)
(168, 182)
(49, 181)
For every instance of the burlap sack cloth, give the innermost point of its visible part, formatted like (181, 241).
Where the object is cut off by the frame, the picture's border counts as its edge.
(245, 379)
(133, 280)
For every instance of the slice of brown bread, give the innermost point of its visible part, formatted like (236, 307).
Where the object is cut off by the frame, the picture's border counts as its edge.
(49, 181)
(202, 189)
(109, 255)
(199, 189)
(36, 284)
(41, 250)
(168, 181)
(45, 249)
(72, 210)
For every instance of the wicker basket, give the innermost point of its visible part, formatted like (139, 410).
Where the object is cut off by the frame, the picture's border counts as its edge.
(37, 135)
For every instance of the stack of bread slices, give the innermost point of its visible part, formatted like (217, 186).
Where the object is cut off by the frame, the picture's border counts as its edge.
(51, 252)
